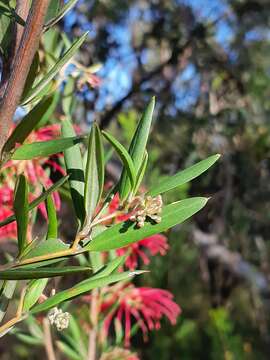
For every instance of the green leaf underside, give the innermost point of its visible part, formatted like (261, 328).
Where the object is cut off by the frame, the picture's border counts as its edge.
(38, 200)
(27, 124)
(44, 148)
(183, 176)
(54, 70)
(126, 233)
(79, 289)
(24, 274)
(46, 247)
(94, 173)
(124, 156)
(137, 148)
(33, 292)
(21, 208)
(74, 166)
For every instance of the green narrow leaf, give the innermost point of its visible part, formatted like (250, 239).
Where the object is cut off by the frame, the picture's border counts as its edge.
(26, 274)
(124, 156)
(141, 173)
(44, 148)
(68, 351)
(61, 13)
(123, 234)
(32, 75)
(27, 339)
(96, 260)
(33, 292)
(45, 247)
(38, 200)
(54, 70)
(6, 294)
(184, 176)
(110, 267)
(74, 166)
(21, 208)
(52, 231)
(94, 173)
(53, 9)
(47, 117)
(137, 148)
(27, 124)
(68, 98)
(81, 288)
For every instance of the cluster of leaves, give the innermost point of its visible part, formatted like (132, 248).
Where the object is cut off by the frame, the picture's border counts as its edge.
(48, 256)
(40, 259)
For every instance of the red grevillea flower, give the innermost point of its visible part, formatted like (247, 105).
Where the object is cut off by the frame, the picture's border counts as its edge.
(6, 196)
(34, 169)
(123, 302)
(156, 244)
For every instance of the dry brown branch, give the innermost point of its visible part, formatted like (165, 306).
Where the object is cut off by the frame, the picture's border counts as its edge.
(22, 62)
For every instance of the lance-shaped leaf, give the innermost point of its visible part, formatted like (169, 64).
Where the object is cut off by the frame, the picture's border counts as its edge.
(52, 231)
(61, 13)
(137, 148)
(46, 247)
(81, 288)
(183, 176)
(54, 70)
(6, 294)
(27, 124)
(124, 156)
(21, 208)
(33, 292)
(25, 274)
(44, 148)
(109, 268)
(126, 233)
(94, 173)
(38, 200)
(68, 351)
(141, 173)
(74, 166)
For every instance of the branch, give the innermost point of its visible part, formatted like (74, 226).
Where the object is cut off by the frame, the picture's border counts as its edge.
(22, 62)
(232, 261)
(22, 10)
(48, 343)
(105, 121)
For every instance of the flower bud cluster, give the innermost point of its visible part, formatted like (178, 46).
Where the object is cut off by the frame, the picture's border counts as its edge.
(150, 207)
(59, 318)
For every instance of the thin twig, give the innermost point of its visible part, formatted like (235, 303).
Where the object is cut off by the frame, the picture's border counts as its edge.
(48, 340)
(22, 63)
(92, 342)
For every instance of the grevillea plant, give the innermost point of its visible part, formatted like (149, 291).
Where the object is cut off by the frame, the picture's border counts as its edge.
(117, 228)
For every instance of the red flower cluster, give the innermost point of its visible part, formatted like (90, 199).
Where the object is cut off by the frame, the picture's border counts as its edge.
(122, 302)
(6, 197)
(156, 244)
(35, 172)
